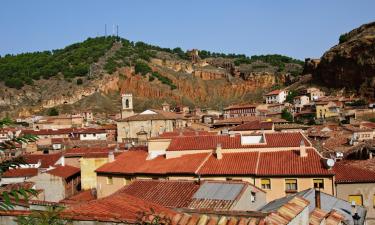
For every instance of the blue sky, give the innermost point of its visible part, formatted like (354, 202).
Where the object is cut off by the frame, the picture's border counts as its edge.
(295, 28)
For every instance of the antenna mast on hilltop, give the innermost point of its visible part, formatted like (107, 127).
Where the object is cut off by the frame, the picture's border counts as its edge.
(105, 30)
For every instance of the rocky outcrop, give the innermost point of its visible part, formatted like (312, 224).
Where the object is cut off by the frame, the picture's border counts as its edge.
(351, 63)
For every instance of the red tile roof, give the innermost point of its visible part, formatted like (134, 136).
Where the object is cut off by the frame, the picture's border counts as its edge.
(80, 197)
(240, 163)
(231, 164)
(133, 162)
(64, 171)
(169, 193)
(118, 208)
(255, 125)
(273, 140)
(274, 92)
(46, 160)
(25, 172)
(79, 152)
(290, 163)
(352, 174)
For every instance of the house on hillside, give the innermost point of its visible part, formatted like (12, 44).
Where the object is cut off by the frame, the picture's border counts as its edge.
(276, 96)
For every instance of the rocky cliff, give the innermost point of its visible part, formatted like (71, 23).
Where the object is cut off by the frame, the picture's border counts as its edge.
(350, 64)
(165, 75)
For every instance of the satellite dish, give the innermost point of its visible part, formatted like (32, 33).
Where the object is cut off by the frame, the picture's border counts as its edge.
(330, 163)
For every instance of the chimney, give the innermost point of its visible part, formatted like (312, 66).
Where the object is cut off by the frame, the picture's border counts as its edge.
(94, 193)
(218, 153)
(317, 199)
(302, 149)
(111, 156)
(63, 160)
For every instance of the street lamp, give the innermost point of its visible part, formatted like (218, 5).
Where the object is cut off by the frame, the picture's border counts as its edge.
(356, 218)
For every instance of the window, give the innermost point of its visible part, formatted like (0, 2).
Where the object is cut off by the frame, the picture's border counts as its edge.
(357, 199)
(318, 183)
(253, 197)
(265, 183)
(109, 180)
(291, 184)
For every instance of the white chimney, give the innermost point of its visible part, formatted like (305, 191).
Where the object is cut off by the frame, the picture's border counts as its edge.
(111, 156)
(63, 160)
(302, 149)
(218, 151)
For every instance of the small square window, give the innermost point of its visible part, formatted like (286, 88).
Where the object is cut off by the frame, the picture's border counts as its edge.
(318, 183)
(265, 183)
(291, 184)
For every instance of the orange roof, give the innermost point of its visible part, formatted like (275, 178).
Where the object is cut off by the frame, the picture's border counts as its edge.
(80, 197)
(46, 160)
(64, 171)
(132, 162)
(169, 193)
(74, 152)
(21, 172)
(244, 163)
(255, 125)
(274, 92)
(118, 207)
(352, 174)
(273, 140)
(184, 133)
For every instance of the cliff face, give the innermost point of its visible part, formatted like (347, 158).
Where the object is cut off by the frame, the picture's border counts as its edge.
(350, 64)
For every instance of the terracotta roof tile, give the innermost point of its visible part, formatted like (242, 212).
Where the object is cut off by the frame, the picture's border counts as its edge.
(228, 142)
(352, 174)
(255, 125)
(64, 171)
(274, 92)
(46, 160)
(240, 106)
(175, 194)
(80, 197)
(132, 162)
(21, 172)
(117, 207)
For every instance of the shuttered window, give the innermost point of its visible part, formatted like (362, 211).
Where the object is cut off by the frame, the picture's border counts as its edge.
(318, 183)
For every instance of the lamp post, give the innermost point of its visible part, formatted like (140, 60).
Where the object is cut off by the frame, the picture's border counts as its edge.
(356, 218)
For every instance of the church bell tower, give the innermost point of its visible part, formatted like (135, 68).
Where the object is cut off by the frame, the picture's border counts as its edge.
(127, 105)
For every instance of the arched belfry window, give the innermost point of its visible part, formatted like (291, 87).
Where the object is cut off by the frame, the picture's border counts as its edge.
(127, 103)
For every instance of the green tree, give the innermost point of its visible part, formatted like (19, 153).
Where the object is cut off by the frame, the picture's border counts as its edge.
(291, 95)
(53, 112)
(286, 115)
(51, 216)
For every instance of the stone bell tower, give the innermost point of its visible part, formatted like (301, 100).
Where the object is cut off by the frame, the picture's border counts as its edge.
(127, 105)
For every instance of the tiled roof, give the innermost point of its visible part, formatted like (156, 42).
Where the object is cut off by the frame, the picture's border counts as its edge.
(64, 131)
(80, 197)
(231, 164)
(116, 208)
(255, 125)
(287, 212)
(64, 171)
(236, 120)
(273, 140)
(275, 92)
(17, 186)
(316, 216)
(133, 162)
(74, 152)
(243, 163)
(369, 125)
(352, 174)
(265, 164)
(46, 160)
(169, 193)
(24, 172)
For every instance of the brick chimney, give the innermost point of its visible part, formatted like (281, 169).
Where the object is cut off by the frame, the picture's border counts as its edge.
(218, 151)
(317, 199)
(302, 149)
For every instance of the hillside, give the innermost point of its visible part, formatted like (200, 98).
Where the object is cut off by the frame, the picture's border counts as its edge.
(91, 74)
(350, 64)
